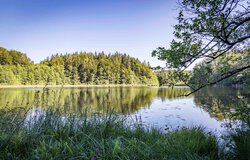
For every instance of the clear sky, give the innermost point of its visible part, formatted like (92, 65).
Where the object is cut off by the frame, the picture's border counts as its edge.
(41, 28)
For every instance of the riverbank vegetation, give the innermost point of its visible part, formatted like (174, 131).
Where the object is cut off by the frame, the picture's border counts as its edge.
(45, 135)
(51, 135)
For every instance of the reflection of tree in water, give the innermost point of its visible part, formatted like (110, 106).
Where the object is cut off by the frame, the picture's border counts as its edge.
(172, 93)
(223, 103)
(124, 100)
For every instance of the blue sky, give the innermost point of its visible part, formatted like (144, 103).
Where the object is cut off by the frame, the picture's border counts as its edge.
(41, 28)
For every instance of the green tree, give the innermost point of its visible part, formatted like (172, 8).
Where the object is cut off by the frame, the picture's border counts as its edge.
(7, 76)
(13, 57)
(207, 73)
(208, 29)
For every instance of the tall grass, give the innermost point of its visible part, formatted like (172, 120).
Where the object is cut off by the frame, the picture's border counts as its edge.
(53, 136)
(240, 142)
(241, 147)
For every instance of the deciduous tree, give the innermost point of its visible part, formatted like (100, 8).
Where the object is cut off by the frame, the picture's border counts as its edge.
(208, 29)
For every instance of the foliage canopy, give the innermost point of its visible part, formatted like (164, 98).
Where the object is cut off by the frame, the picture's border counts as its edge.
(76, 68)
(208, 29)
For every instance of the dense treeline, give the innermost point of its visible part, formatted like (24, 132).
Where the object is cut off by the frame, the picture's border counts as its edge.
(13, 57)
(207, 72)
(77, 68)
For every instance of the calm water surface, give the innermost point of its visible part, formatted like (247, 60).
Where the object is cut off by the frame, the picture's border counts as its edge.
(164, 108)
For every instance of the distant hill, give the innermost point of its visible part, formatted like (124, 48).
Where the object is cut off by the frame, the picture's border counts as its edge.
(77, 68)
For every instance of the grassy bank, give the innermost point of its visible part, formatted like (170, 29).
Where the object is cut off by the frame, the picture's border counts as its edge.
(54, 136)
(240, 142)
(51, 136)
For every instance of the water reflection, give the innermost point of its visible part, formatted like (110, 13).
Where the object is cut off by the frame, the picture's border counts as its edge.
(224, 103)
(124, 100)
(156, 106)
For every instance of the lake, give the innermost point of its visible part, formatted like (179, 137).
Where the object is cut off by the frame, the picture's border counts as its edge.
(164, 108)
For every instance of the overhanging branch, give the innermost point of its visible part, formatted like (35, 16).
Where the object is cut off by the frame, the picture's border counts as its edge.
(224, 76)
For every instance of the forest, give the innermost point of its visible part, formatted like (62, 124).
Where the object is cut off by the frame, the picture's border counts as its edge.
(101, 69)
(72, 69)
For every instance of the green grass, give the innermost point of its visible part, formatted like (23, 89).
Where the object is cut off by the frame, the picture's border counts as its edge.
(240, 142)
(53, 136)
(108, 137)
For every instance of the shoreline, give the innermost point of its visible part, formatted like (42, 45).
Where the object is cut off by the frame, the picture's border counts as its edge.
(86, 86)
(75, 86)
